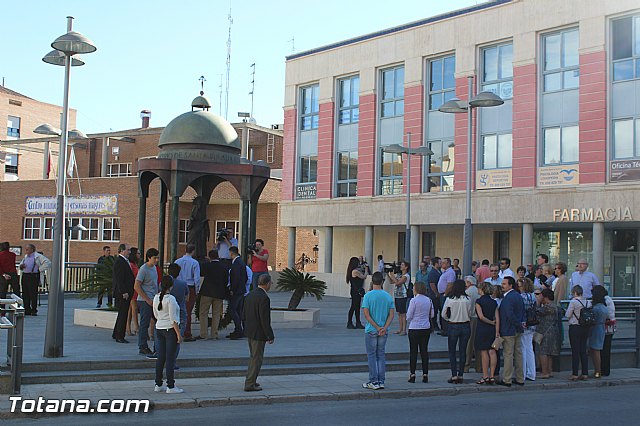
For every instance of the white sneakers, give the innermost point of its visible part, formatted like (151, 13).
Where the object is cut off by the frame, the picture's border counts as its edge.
(165, 389)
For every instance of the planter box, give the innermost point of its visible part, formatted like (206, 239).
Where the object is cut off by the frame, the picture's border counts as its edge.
(101, 318)
(302, 318)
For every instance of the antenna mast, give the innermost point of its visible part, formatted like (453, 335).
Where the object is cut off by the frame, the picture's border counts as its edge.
(293, 44)
(220, 89)
(226, 105)
(253, 84)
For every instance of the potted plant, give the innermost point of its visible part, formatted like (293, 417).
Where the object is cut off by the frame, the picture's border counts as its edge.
(100, 280)
(300, 284)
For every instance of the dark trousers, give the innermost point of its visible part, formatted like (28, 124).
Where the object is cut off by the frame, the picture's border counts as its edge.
(190, 304)
(256, 354)
(356, 301)
(443, 322)
(167, 345)
(419, 340)
(109, 296)
(30, 283)
(236, 312)
(436, 306)
(578, 336)
(458, 338)
(121, 320)
(14, 282)
(605, 355)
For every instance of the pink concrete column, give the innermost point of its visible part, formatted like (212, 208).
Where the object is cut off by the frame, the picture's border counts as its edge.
(367, 146)
(325, 150)
(593, 117)
(524, 126)
(460, 138)
(414, 123)
(289, 154)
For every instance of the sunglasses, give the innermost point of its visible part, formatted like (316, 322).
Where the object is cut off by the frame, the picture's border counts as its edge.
(537, 293)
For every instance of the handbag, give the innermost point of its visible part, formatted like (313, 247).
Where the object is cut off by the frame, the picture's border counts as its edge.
(610, 326)
(537, 337)
(497, 343)
(360, 292)
(587, 316)
(531, 314)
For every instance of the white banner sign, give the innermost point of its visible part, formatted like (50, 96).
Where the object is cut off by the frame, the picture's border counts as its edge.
(84, 205)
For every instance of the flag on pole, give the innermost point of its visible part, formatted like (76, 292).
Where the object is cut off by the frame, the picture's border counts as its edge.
(72, 163)
(49, 161)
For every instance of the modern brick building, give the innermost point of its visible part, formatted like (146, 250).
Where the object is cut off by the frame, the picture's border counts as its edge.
(555, 169)
(106, 171)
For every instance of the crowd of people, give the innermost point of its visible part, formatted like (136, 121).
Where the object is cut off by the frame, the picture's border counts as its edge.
(510, 322)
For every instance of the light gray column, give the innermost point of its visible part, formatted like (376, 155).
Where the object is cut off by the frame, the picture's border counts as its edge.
(415, 248)
(598, 250)
(45, 164)
(105, 157)
(527, 243)
(368, 248)
(327, 249)
(291, 255)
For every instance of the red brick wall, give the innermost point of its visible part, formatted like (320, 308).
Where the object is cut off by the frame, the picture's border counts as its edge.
(367, 146)
(414, 123)
(326, 142)
(593, 117)
(289, 154)
(524, 126)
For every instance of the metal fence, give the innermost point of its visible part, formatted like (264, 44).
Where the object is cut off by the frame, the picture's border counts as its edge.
(13, 322)
(77, 272)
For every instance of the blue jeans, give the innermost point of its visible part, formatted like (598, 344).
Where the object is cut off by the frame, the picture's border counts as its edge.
(458, 335)
(146, 313)
(183, 327)
(167, 346)
(375, 355)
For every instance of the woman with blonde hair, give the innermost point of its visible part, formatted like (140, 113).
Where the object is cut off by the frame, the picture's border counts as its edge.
(419, 317)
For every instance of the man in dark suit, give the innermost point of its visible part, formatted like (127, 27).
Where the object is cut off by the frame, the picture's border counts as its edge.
(123, 280)
(212, 294)
(511, 319)
(238, 283)
(257, 316)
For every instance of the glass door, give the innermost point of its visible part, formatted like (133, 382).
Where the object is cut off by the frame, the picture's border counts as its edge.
(624, 275)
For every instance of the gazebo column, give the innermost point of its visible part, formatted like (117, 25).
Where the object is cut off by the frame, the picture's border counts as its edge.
(162, 219)
(253, 222)
(174, 224)
(244, 228)
(142, 221)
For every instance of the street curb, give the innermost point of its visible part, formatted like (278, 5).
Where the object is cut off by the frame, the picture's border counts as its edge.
(356, 395)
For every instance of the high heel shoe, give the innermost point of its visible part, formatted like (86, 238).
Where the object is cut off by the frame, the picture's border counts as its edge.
(412, 378)
(425, 378)
(597, 375)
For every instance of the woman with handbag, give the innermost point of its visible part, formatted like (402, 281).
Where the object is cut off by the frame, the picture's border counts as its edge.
(419, 317)
(525, 285)
(578, 334)
(548, 327)
(355, 279)
(400, 294)
(488, 323)
(597, 331)
(457, 310)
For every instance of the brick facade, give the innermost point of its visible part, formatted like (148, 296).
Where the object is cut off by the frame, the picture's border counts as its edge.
(524, 126)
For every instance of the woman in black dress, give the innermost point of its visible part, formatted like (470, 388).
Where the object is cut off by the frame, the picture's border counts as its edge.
(488, 323)
(355, 279)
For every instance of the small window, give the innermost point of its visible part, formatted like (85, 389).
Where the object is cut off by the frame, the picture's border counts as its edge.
(309, 112)
(440, 173)
(13, 127)
(561, 145)
(118, 169)
(391, 174)
(31, 230)
(183, 231)
(347, 174)
(392, 99)
(47, 229)
(308, 172)
(229, 224)
(625, 34)
(11, 163)
(111, 229)
(497, 151)
(561, 67)
(349, 98)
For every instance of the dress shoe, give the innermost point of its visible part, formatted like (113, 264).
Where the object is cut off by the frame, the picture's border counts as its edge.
(199, 338)
(503, 383)
(237, 336)
(520, 384)
(254, 388)
(122, 341)
(360, 326)
(189, 339)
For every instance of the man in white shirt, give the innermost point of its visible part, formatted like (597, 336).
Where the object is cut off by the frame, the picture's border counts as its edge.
(189, 273)
(494, 278)
(585, 279)
(505, 270)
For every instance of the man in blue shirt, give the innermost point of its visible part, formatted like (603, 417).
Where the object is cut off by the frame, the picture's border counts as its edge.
(379, 310)
(189, 273)
(181, 292)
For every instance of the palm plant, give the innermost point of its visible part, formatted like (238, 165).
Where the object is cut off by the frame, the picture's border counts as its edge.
(300, 284)
(100, 280)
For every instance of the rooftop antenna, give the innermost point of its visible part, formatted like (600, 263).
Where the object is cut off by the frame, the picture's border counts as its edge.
(220, 90)
(202, 80)
(293, 44)
(226, 105)
(253, 84)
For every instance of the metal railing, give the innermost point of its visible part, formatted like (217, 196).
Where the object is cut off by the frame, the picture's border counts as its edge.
(13, 322)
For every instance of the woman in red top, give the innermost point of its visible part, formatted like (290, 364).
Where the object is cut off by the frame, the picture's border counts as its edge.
(134, 258)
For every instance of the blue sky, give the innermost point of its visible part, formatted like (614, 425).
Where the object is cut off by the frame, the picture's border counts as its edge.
(151, 53)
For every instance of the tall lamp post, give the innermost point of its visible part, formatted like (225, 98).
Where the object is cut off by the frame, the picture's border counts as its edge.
(399, 149)
(66, 47)
(455, 105)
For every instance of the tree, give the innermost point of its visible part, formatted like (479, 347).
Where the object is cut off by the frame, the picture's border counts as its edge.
(300, 284)
(100, 280)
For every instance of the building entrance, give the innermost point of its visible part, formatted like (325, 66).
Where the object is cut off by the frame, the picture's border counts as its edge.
(624, 275)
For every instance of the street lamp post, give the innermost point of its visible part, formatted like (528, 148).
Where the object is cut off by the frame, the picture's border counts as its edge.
(66, 48)
(399, 149)
(455, 105)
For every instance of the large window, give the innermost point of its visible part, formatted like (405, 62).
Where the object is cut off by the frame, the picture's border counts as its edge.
(392, 100)
(347, 137)
(626, 48)
(441, 88)
(626, 138)
(90, 224)
(559, 103)
(111, 229)
(391, 174)
(495, 123)
(229, 224)
(118, 169)
(13, 127)
(31, 229)
(308, 111)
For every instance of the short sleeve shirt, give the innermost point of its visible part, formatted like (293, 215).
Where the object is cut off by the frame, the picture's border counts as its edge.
(148, 276)
(379, 303)
(259, 265)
